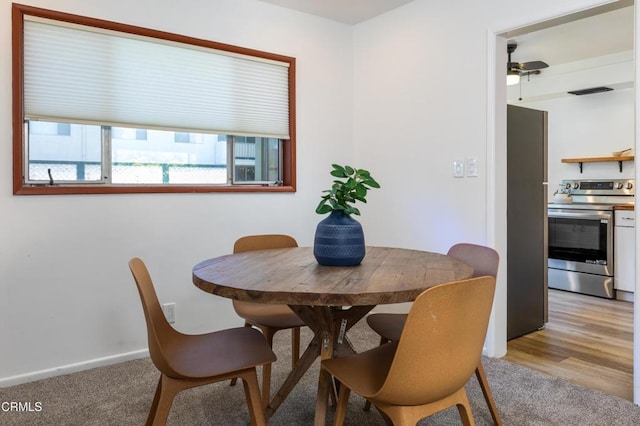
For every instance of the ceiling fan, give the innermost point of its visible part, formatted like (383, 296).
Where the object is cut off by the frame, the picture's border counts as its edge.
(516, 69)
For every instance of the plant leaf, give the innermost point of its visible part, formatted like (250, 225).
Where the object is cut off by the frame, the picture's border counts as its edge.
(322, 209)
(351, 186)
(360, 190)
(371, 182)
(352, 210)
(338, 171)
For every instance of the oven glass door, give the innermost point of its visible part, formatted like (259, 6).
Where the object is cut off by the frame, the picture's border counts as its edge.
(578, 239)
(581, 241)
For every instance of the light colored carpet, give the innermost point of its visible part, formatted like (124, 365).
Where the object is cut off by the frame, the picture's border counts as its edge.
(121, 395)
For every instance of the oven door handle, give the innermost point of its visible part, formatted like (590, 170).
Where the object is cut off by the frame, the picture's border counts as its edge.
(605, 216)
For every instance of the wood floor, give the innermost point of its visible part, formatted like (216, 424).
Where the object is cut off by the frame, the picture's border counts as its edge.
(588, 341)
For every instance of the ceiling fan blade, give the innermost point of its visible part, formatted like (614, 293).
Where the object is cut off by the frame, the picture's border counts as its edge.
(533, 65)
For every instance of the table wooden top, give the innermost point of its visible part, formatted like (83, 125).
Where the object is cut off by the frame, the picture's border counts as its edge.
(292, 276)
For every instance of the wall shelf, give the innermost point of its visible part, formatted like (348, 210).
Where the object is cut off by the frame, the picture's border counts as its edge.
(580, 161)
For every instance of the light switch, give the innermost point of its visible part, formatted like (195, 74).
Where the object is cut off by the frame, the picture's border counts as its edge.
(458, 168)
(472, 167)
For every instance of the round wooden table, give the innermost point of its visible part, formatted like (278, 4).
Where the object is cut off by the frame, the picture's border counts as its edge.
(329, 299)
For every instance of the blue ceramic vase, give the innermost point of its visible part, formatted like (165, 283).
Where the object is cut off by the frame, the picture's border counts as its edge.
(339, 240)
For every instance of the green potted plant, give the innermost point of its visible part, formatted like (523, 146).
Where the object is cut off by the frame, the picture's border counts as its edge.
(339, 239)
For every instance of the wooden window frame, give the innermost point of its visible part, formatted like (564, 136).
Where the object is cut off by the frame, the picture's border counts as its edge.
(19, 186)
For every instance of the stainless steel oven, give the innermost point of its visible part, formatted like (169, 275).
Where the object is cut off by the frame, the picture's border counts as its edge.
(580, 236)
(581, 251)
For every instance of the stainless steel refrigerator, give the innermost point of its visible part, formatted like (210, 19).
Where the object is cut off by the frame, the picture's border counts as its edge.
(526, 220)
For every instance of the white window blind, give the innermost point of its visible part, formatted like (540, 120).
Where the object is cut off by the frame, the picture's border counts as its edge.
(81, 74)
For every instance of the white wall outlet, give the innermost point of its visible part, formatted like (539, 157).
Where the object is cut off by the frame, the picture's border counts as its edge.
(472, 167)
(169, 310)
(458, 168)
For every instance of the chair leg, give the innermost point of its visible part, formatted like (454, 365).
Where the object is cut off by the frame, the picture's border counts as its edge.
(399, 415)
(367, 404)
(464, 409)
(235, 379)
(341, 406)
(295, 346)
(154, 403)
(266, 369)
(409, 415)
(488, 396)
(385, 417)
(266, 385)
(334, 388)
(165, 392)
(252, 394)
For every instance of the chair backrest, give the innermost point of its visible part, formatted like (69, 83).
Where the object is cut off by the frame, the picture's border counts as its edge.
(258, 242)
(160, 334)
(263, 242)
(484, 260)
(441, 343)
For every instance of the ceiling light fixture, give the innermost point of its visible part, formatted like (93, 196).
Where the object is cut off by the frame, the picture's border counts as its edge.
(513, 77)
(515, 70)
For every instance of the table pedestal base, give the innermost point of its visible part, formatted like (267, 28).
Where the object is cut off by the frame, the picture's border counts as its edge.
(329, 325)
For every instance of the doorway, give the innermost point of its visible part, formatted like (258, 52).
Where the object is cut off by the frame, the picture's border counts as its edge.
(500, 54)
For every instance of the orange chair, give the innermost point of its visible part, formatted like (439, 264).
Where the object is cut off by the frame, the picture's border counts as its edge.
(269, 318)
(426, 370)
(186, 361)
(484, 261)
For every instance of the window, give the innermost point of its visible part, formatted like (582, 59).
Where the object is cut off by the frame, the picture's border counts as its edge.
(124, 133)
(256, 159)
(51, 129)
(129, 109)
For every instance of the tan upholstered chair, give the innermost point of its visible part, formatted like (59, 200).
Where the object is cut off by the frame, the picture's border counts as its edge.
(186, 361)
(269, 318)
(484, 261)
(426, 370)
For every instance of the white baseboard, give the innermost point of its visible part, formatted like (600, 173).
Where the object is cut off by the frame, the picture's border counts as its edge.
(72, 368)
(625, 296)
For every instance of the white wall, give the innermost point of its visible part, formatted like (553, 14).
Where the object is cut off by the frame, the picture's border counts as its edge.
(403, 94)
(424, 86)
(588, 126)
(66, 294)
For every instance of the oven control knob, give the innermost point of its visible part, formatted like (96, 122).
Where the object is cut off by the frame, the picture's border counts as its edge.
(629, 185)
(576, 185)
(567, 185)
(619, 185)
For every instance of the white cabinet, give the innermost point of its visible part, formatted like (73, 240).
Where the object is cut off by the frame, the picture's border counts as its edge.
(624, 250)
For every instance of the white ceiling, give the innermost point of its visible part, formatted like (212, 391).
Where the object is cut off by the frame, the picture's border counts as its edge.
(590, 37)
(561, 40)
(347, 11)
